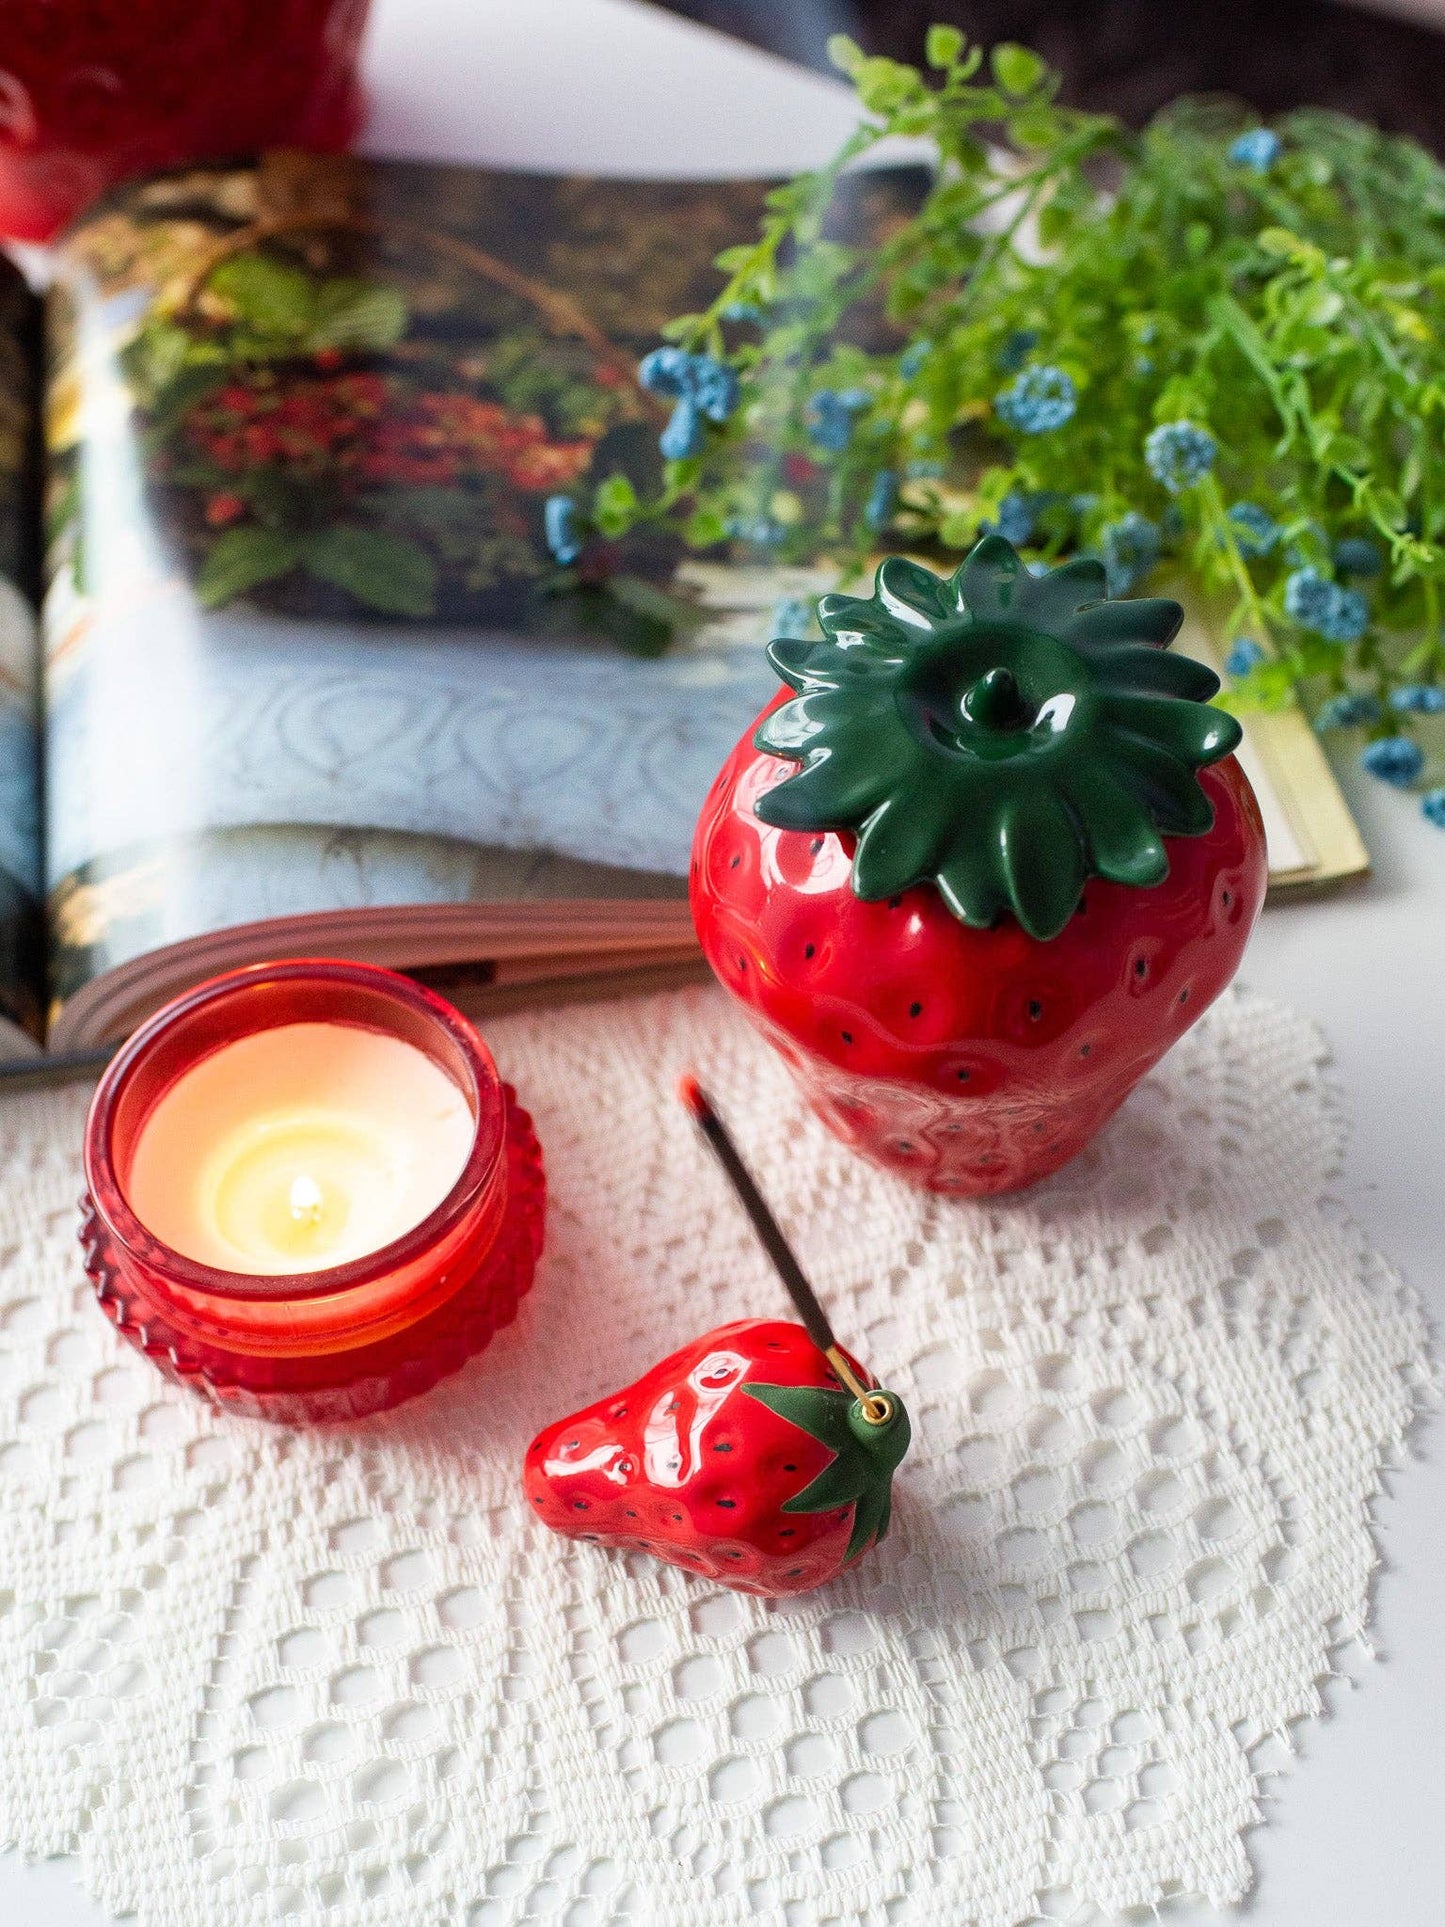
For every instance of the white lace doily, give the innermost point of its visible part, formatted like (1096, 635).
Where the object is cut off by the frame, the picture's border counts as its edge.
(340, 1677)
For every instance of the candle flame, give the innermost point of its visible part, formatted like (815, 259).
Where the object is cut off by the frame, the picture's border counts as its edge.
(306, 1200)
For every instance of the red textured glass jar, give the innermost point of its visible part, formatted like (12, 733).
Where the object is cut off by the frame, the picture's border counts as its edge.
(95, 91)
(356, 1337)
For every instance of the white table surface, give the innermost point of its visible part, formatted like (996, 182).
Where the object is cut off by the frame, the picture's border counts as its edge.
(1355, 1835)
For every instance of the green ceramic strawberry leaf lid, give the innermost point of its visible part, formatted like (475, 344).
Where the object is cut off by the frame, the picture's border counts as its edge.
(999, 734)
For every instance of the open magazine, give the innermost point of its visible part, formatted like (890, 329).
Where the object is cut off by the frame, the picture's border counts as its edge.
(308, 677)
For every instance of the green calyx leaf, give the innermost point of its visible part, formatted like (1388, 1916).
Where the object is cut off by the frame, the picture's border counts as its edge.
(1001, 735)
(866, 1454)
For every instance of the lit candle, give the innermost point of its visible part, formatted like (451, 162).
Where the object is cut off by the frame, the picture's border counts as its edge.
(309, 1192)
(298, 1148)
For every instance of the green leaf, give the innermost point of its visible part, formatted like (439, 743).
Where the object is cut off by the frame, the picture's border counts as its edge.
(912, 594)
(1037, 129)
(1168, 788)
(357, 314)
(1194, 732)
(970, 883)
(1144, 619)
(1123, 844)
(833, 793)
(242, 559)
(705, 528)
(1043, 862)
(895, 849)
(865, 1456)
(943, 46)
(615, 505)
(1018, 70)
(274, 298)
(845, 54)
(388, 573)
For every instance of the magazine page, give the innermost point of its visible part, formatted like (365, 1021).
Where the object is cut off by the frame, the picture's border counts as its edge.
(308, 648)
(22, 958)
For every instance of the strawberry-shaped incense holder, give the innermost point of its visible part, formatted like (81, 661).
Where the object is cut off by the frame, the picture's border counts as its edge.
(1017, 862)
(761, 1455)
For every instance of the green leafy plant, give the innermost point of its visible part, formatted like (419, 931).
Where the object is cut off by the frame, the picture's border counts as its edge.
(305, 444)
(1212, 351)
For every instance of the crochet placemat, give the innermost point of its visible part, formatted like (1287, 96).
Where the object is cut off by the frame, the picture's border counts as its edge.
(340, 1677)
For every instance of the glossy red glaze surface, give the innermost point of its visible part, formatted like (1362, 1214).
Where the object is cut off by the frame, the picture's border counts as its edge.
(357, 1337)
(684, 1465)
(95, 91)
(971, 1061)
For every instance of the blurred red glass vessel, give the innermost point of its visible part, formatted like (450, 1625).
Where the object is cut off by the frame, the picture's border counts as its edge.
(96, 91)
(356, 1337)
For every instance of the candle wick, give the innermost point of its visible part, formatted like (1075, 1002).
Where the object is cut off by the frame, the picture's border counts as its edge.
(305, 1200)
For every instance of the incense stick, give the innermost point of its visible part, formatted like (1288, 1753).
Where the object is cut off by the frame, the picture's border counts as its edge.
(877, 1406)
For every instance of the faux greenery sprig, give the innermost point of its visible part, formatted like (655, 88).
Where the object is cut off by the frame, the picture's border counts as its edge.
(1213, 351)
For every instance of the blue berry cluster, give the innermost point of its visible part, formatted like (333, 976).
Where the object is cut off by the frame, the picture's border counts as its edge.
(1396, 760)
(1352, 709)
(1179, 454)
(1037, 400)
(792, 619)
(1016, 519)
(1419, 699)
(1258, 150)
(1130, 549)
(832, 413)
(1255, 529)
(701, 385)
(1326, 608)
(1358, 555)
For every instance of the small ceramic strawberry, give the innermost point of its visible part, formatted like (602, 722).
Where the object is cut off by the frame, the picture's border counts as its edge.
(980, 864)
(741, 1457)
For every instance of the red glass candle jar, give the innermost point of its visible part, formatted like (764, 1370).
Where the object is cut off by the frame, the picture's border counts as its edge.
(354, 1337)
(94, 91)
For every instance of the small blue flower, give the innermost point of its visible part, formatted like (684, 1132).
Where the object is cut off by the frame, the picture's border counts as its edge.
(1257, 150)
(1357, 555)
(559, 522)
(1419, 699)
(924, 468)
(882, 500)
(702, 386)
(1040, 399)
(792, 619)
(1255, 529)
(1393, 759)
(1017, 349)
(1244, 656)
(1316, 603)
(1015, 520)
(832, 413)
(747, 311)
(1180, 454)
(1131, 548)
(913, 358)
(1354, 709)
(1432, 808)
